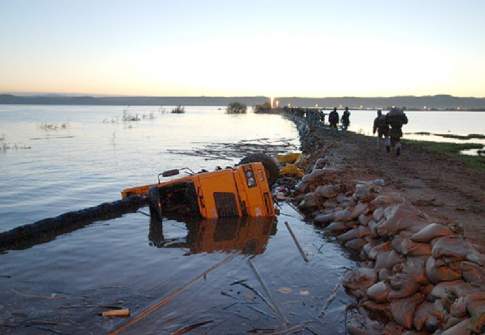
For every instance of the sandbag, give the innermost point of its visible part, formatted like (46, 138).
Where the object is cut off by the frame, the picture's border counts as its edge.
(338, 227)
(438, 273)
(456, 287)
(400, 217)
(323, 219)
(473, 273)
(422, 314)
(355, 244)
(407, 247)
(450, 246)
(383, 247)
(343, 215)
(376, 308)
(402, 310)
(403, 285)
(386, 200)
(378, 214)
(364, 219)
(387, 259)
(327, 191)
(458, 307)
(431, 232)
(415, 266)
(379, 292)
(461, 328)
(476, 308)
(360, 324)
(361, 278)
(310, 200)
(358, 210)
(358, 232)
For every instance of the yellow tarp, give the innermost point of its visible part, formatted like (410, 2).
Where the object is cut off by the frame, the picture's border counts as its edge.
(291, 158)
(291, 170)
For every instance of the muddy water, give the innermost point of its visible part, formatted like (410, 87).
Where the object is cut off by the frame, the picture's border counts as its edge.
(131, 262)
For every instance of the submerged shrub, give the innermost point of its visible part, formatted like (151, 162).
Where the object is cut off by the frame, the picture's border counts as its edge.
(236, 108)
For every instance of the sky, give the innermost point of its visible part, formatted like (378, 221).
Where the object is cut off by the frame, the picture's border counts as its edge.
(243, 48)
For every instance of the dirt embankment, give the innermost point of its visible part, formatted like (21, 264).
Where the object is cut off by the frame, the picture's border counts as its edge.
(417, 272)
(440, 185)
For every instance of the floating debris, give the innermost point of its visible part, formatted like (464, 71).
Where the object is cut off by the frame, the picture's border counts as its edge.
(230, 151)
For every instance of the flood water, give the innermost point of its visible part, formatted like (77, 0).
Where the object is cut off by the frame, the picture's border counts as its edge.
(45, 172)
(199, 273)
(132, 262)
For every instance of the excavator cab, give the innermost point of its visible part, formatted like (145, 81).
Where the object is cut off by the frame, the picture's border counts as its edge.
(241, 191)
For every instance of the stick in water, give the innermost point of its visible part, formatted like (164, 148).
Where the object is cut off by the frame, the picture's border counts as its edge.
(150, 309)
(305, 258)
(268, 293)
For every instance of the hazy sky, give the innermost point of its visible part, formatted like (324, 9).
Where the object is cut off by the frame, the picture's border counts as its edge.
(279, 48)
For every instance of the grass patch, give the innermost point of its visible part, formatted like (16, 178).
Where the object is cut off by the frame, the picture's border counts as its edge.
(453, 149)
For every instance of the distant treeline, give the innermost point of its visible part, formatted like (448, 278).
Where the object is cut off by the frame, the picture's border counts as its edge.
(434, 102)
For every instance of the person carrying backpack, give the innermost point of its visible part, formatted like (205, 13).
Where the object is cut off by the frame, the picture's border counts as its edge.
(396, 119)
(346, 119)
(382, 128)
(333, 118)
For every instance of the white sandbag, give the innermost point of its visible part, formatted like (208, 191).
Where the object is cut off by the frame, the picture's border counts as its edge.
(327, 191)
(310, 200)
(337, 227)
(403, 285)
(382, 247)
(358, 232)
(403, 309)
(378, 214)
(431, 232)
(387, 259)
(378, 292)
(364, 219)
(324, 219)
(400, 217)
(473, 273)
(385, 200)
(422, 314)
(461, 328)
(361, 278)
(355, 244)
(359, 209)
(457, 287)
(451, 246)
(437, 273)
(343, 215)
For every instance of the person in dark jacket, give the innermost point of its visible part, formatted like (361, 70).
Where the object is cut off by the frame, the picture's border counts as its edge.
(396, 119)
(346, 119)
(333, 118)
(382, 128)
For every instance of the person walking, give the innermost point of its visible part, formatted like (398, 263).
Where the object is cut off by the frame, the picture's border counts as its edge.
(396, 119)
(381, 126)
(322, 116)
(345, 119)
(333, 118)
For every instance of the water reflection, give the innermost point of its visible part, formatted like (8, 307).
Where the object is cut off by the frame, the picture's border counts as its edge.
(248, 236)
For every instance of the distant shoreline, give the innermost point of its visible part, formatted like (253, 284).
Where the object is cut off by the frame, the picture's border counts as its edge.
(415, 103)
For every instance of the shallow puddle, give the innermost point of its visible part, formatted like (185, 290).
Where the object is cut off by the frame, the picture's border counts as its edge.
(198, 275)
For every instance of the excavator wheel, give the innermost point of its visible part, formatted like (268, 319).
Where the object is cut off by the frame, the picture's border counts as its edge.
(269, 163)
(154, 203)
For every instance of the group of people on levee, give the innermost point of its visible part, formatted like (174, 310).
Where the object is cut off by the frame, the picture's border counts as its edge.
(387, 126)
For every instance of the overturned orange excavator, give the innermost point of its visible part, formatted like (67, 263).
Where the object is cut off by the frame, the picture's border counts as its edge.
(243, 190)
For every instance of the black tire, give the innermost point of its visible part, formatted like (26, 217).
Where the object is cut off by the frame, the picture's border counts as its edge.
(270, 165)
(154, 203)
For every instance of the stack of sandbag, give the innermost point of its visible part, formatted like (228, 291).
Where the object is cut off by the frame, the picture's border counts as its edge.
(419, 276)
